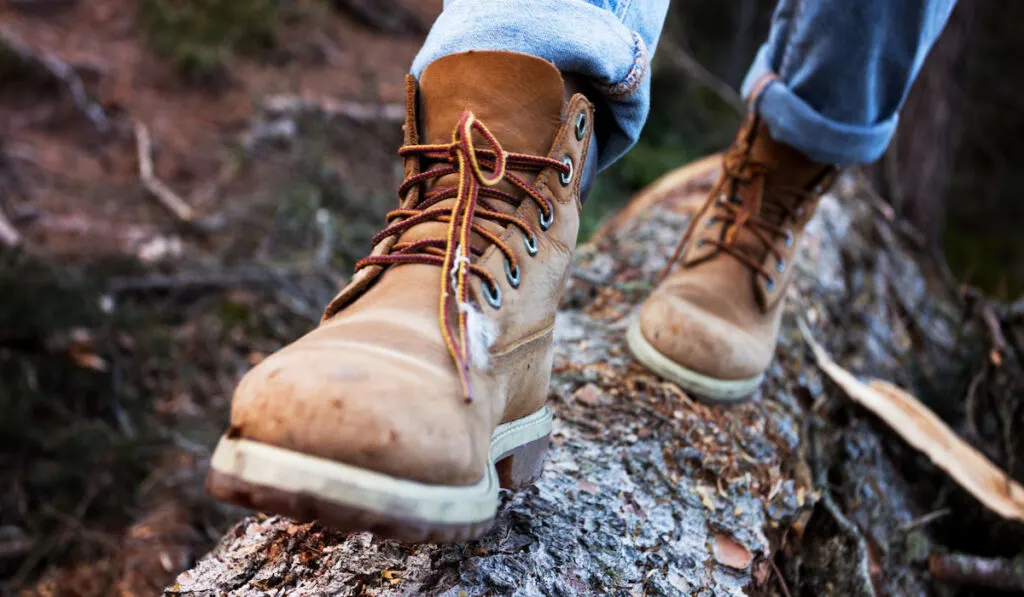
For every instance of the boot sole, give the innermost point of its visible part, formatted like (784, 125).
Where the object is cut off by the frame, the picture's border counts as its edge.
(709, 389)
(352, 499)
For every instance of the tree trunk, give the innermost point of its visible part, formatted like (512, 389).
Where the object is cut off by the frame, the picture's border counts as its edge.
(918, 167)
(647, 491)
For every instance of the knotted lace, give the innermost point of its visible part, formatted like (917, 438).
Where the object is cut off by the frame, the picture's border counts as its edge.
(761, 211)
(475, 198)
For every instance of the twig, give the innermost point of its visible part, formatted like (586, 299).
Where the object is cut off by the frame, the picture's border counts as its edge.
(994, 573)
(907, 230)
(9, 235)
(782, 581)
(819, 470)
(196, 281)
(387, 17)
(332, 108)
(175, 204)
(41, 7)
(1015, 312)
(971, 402)
(9, 178)
(995, 331)
(61, 71)
(684, 61)
(892, 176)
(925, 520)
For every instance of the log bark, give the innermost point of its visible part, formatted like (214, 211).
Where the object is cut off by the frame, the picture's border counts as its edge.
(647, 491)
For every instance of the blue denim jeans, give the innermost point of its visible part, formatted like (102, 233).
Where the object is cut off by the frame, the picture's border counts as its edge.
(829, 81)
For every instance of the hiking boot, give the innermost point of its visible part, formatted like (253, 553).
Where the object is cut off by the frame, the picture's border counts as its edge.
(423, 389)
(711, 324)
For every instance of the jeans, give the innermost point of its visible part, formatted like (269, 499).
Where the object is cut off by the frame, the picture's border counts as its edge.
(829, 81)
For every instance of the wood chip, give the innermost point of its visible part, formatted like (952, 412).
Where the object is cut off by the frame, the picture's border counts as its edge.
(168, 198)
(588, 395)
(728, 552)
(927, 433)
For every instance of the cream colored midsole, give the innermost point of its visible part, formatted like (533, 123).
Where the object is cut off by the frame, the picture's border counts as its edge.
(702, 385)
(346, 485)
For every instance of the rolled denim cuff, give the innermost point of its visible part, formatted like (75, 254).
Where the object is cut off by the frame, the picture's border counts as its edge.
(576, 36)
(792, 121)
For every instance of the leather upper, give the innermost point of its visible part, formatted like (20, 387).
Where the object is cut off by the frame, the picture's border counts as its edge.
(714, 314)
(374, 385)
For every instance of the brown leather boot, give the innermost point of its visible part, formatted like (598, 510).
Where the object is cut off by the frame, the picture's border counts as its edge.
(423, 389)
(712, 324)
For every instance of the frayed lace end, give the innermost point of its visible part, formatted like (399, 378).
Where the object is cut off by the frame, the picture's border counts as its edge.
(481, 333)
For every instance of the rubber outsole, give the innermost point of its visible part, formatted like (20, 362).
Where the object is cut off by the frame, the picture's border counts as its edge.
(350, 499)
(702, 387)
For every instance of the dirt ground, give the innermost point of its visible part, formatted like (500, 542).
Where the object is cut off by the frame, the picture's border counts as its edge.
(82, 179)
(284, 200)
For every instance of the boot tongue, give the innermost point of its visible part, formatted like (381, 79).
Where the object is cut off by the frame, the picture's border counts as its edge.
(785, 170)
(786, 167)
(518, 97)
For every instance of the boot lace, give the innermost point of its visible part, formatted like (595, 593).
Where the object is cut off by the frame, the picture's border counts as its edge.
(761, 212)
(475, 200)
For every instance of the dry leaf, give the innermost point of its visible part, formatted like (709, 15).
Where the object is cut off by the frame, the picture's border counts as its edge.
(927, 433)
(706, 499)
(588, 395)
(728, 552)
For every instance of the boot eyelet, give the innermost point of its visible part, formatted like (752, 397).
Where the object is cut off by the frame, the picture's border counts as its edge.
(493, 294)
(581, 125)
(547, 220)
(781, 266)
(769, 284)
(566, 177)
(789, 237)
(531, 244)
(512, 275)
(800, 212)
(701, 243)
(711, 223)
(722, 198)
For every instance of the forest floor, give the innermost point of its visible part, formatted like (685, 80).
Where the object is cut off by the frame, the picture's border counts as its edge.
(125, 324)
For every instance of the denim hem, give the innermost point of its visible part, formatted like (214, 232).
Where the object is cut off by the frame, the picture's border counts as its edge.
(631, 82)
(792, 121)
(575, 35)
(498, 26)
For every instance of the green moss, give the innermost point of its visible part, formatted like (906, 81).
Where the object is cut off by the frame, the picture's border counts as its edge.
(202, 36)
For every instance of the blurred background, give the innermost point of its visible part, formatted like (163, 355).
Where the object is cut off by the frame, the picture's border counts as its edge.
(184, 184)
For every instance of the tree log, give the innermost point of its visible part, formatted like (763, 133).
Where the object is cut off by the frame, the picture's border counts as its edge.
(647, 491)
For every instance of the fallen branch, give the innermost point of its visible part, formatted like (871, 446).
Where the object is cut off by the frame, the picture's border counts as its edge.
(41, 7)
(277, 105)
(9, 235)
(175, 204)
(190, 282)
(992, 573)
(927, 433)
(388, 17)
(995, 332)
(59, 71)
(684, 61)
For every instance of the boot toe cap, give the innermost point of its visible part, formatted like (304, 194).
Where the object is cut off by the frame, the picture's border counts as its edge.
(360, 405)
(702, 341)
